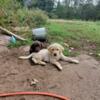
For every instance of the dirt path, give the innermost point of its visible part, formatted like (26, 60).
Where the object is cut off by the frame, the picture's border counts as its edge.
(79, 82)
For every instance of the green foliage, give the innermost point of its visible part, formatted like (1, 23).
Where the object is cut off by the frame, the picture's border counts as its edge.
(33, 18)
(98, 11)
(9, 5)
(24, 17)
(20, 43)
(78, 34)
(88, 12)
(78, 9)
(46, 5)
(52, 15)
(66, 9)
(75, 30)
(13, 14)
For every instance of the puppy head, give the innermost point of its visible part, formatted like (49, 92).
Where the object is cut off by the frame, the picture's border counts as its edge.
(55, 49)
(36, 46)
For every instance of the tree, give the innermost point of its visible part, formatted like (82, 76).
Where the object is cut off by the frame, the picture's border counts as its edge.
(98, 10)
(46, 5)
(59, 10)
(67, 2)
(88, 12)
(89, 1)
(27, 3)
(78, 3)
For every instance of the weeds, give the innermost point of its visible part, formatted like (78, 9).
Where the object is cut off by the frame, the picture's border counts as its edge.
(20, 43)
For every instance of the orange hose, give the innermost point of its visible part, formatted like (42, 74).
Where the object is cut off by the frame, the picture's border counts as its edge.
(34, 93)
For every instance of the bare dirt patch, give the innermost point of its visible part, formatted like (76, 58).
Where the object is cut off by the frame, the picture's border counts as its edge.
(77, 81)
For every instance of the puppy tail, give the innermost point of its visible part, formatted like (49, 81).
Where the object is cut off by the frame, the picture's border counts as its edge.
(26, 57)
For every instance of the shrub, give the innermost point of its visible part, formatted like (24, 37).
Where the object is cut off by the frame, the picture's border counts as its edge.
(13, 14)
(52, 15)
(33, 18)
(24, 17)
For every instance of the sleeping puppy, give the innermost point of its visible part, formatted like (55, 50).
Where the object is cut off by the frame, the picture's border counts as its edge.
(52, 54)
(37, 46)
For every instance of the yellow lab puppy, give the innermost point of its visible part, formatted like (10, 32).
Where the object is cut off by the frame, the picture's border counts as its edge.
(52, 54)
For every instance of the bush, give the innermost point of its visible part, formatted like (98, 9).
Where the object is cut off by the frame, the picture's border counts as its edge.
(52, 15)
(24, 17)
(13, 14)
(33, 18)
(9, 5)
(39, 18)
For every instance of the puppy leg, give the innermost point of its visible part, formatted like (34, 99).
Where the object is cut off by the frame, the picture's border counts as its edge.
(41, 63)
(38, 62)
(68, 59)
(57, 64)
(34, 60)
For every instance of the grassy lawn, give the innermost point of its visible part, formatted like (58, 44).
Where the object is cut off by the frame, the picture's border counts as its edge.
(80, 35)
(75, 31)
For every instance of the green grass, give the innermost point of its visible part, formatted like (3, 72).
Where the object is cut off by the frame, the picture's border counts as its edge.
(75, 30)
(20, 43)
(81, 35)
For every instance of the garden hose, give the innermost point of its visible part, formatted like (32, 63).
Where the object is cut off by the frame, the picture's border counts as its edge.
(34, 93)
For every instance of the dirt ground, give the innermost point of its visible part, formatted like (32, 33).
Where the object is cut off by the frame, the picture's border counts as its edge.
(77, 81)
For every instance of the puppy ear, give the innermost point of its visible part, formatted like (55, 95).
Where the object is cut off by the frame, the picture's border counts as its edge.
(62, 48)
(49, 48)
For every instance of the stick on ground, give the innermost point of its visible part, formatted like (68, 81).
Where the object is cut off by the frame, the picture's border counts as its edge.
(10, 33)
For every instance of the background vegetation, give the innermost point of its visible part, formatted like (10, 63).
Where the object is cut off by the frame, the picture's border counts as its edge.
(13, 13)
(66, 9)
(80, 35)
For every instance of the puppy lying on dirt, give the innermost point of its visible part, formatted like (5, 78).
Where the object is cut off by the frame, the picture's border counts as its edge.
(37, 46)
(52, 54)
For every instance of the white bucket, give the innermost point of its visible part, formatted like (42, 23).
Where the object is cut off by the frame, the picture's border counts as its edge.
(39, 32)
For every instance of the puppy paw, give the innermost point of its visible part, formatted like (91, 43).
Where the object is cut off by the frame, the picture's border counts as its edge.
(76, 61)
(59, 68)
(42, 63)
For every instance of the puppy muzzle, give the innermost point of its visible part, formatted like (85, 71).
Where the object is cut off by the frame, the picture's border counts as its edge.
(55, 54)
